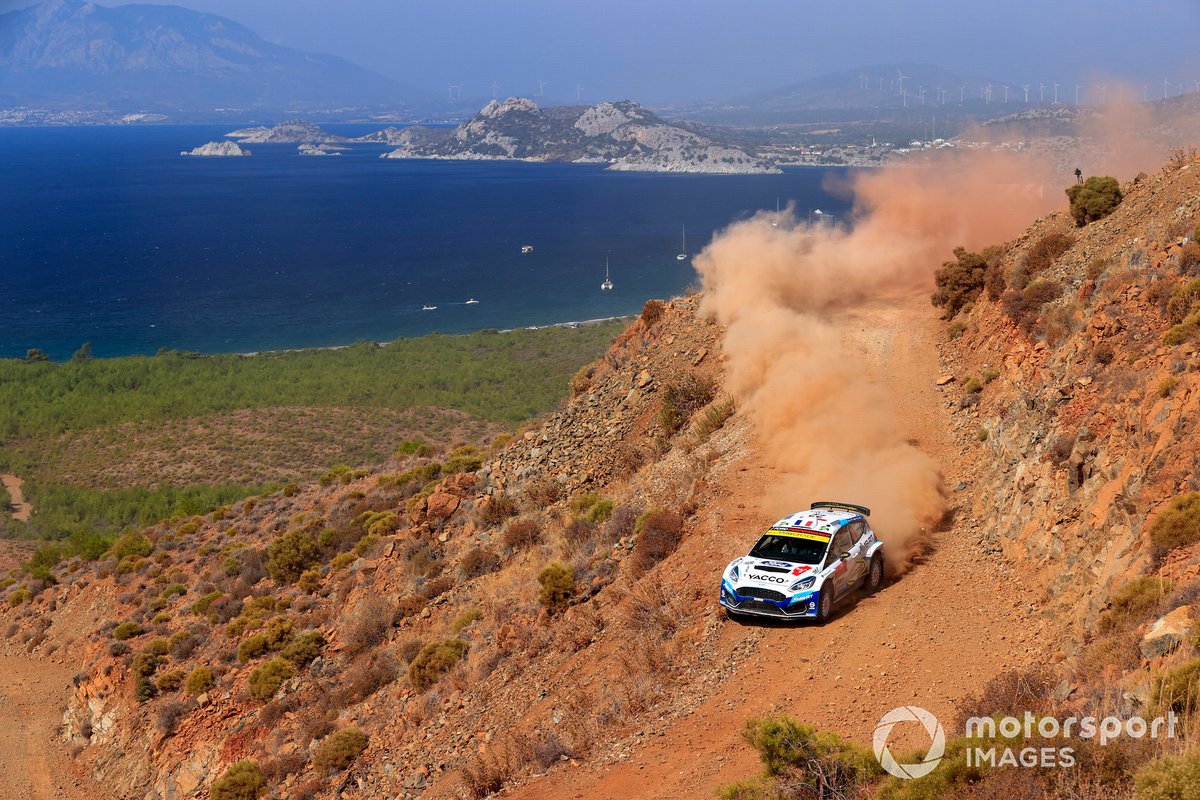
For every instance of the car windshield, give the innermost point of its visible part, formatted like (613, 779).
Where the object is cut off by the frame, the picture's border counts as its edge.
(790, 548)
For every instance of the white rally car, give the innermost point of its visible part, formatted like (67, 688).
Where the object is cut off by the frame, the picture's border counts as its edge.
(804, 564)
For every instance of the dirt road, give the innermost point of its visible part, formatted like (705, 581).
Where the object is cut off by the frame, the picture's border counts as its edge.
(34, 763)
(21, 510)
(929, 639)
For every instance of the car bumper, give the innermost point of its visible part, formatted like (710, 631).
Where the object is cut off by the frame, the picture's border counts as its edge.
(800, 606)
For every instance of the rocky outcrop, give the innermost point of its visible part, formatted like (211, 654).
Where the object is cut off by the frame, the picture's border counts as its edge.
(293, 131)
(1168, 633)
(624, 135)
(318, 150)
(217, 150)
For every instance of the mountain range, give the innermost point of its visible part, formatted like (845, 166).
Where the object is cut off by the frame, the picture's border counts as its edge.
(81, 56)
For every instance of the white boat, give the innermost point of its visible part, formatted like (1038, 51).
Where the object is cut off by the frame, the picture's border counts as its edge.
(472, 301)
(526, 248)
(428, 308)
(608, 284)
(683, 251)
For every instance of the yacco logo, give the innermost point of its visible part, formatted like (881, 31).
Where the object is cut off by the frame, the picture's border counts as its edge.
(771, 578)
(937, 739)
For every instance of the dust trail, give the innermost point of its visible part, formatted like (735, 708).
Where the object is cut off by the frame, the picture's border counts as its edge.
(785, 291)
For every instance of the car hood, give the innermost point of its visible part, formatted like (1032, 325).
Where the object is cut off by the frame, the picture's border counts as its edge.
(769, 573)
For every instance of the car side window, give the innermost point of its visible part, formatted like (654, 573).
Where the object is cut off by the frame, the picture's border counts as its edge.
(857, 529)
(843, 542)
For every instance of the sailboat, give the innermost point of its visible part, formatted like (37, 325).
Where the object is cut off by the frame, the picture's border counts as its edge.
(471, 302)
(683, 251)
(608, 284)
(428, 307)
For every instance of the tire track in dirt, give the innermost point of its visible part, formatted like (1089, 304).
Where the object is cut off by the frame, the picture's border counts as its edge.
(34, 762)
(930, 638)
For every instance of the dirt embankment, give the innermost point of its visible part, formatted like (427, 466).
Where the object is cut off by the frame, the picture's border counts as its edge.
(34, 761)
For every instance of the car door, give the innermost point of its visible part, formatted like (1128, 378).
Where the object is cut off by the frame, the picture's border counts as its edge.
(856, 565)
(837, 577)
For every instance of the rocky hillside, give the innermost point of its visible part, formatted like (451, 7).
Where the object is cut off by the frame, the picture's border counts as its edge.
(623, 135)
(292, 131)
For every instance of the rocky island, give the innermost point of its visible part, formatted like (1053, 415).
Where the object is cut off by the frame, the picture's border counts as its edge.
(217, 149)
(293, 131)
(623, 135)
(320, 150)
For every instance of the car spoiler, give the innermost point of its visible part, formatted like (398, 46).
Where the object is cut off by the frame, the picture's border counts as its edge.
(866, 512)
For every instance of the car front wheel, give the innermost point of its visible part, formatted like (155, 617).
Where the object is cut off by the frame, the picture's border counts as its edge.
(824, 606)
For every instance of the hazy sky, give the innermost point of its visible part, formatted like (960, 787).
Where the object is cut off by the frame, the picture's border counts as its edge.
(664, 50)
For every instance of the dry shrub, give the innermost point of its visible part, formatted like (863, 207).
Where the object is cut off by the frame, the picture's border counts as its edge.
(1115, 652)
(368, 625)
(410, 606)
(276, 771)
(488, 772)
(168, 716)
(557, 584)
(1184, 299)
(521, 533)
(315, 719)
(365, 676)
(1045, 251)
(683, 397)
(658, 534)
(478, 561)
(1104, 353)
(649, 610)
(629, 457)
(1024, 307)
(1011, 693)
(543, 492)
(495, 509)
(652, 311)
(437, 587)
(435, 659)
(1189, 259)
(409, 649)
(960, 281)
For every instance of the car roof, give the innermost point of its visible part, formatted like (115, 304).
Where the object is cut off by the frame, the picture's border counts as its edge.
(819, 520)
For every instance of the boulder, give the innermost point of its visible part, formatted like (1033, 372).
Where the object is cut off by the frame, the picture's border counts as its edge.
(1167, 633)
(441, 505)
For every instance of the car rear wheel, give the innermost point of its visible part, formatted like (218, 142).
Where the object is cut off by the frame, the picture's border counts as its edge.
(875, 575)
(824, 606)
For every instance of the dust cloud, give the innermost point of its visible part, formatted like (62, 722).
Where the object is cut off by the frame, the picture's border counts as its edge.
(786, 292)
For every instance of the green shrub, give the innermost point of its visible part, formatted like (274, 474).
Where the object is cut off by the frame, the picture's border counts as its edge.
(339, 750)
(960, 281)
(1178, 689)
(144, 690)
(1178, 334)
(557, 588)
(252, 647)
(1184, 300)
(278, 632)
(972, 386)
(127, 630)
(1094, 199)
(816, 763)
(464, 459)
(170, 680)
(378, 523)
(1134, 602)
(412, 447)
(713, 419)
(159, 647)
(201, 606)
(435, 659)
(174, 590)
(266, 680)
(341, 561)
(1179, 522)
(144, 664)
(199, 681)
(131, 545)
(310, 580)
(600, 512)
(242, 781)
(465, 618)
(291, 554)
(304, 648)
(1169, 778)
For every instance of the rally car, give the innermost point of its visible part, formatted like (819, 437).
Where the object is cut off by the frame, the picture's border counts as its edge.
(805, 564)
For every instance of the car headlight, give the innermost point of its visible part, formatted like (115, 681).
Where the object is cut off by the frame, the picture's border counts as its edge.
(733, 571)
(803, 583)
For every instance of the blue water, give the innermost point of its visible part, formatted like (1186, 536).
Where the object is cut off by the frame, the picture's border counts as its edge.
(108, 235)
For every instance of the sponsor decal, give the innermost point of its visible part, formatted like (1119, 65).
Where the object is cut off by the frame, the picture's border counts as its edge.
(768, 578)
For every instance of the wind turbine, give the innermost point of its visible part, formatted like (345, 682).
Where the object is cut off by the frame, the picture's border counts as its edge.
(1006, 95)
(921, 94)
(900, 74)
(1056, 85)
(541, 88)
(1041, 92)
(578, 92)
(961, 92)
(1166, 88)
(1077, 94)
(1025, 86)
(454, 90)
(1103, 94)
(988, 98)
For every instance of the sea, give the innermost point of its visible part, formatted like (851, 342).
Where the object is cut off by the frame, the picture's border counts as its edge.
(109, 236)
